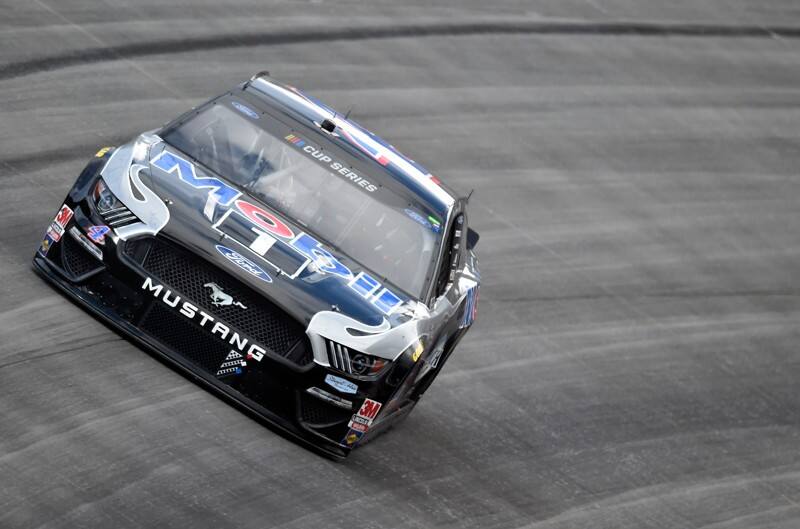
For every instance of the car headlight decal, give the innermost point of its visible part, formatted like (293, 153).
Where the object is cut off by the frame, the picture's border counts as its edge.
(353, 362)
(113, 211)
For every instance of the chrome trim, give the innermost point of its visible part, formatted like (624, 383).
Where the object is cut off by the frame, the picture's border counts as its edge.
(121, 212)
(121, 208)
(122, 220)
(330, 398)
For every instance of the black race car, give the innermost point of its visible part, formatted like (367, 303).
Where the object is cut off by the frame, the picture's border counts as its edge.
(278, 252)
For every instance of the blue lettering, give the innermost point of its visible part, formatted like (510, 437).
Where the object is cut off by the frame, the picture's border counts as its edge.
(220, 192)
(386, 301)
(364, 284)
(325, 261)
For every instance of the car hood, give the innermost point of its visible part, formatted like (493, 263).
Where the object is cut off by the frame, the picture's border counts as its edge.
(271, 254)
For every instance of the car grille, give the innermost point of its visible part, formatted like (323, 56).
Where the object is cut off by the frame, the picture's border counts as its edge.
(207, 353)
(262, 321)
(194, 344)
(77, 261)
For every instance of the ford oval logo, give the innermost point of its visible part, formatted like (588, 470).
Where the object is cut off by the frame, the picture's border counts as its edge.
(244, 263)
(245, 109)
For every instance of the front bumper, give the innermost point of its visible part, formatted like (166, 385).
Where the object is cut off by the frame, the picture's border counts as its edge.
(274, 389)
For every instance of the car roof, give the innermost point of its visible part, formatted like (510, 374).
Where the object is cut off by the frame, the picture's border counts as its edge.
(405, 171)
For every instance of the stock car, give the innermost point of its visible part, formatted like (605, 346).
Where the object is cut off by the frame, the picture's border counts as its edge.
(279, 254)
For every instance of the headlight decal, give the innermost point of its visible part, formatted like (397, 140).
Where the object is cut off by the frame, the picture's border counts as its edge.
(352, 362)
(114, 212)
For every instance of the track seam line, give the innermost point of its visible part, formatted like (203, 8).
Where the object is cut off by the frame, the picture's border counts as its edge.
(438, 29)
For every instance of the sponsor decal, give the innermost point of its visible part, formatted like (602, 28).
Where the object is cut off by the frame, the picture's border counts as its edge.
(369, 288)
(241, 344)
(419, 219)
(433, 361)
(220, 298)
(102, 152)
(363, 418)
(244, 263)
(417, 352)
(352, 437)
(264, 234)
(358, 426)
(369, 410)
(47, 243)
(86, 243)
(341, 384)
(361, 421)
(98, 233)
(264, 219)
(297, 141)
(247, 111)
(233, 364)
(335, 166)
(431, 222)
(436, 224)
(258, 231)
(219, 191)
(55, 231)
(63, 217)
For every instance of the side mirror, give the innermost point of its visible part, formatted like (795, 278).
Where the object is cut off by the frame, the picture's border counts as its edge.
(472, 238)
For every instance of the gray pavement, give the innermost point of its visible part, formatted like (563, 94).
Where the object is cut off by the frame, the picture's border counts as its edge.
(635, 362)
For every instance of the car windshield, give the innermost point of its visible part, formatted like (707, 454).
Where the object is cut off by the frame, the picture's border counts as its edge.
(371, 224)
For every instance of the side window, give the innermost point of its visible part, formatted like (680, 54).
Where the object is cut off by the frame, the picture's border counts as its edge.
(452, 256)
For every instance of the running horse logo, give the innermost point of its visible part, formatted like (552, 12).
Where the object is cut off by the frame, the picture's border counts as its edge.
(220, 298)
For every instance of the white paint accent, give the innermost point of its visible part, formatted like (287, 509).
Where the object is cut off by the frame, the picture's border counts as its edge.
(120, 173)
(263, 242)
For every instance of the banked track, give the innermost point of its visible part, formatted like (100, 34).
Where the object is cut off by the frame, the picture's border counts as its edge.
(634, 364)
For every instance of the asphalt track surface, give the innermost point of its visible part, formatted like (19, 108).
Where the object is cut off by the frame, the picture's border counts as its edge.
(635, 361)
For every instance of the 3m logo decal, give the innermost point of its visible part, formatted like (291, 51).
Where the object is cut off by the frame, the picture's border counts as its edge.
(369, 410)
(361, 421)
(63, 217)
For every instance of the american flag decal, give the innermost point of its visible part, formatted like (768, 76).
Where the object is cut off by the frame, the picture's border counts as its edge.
(470, 308)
